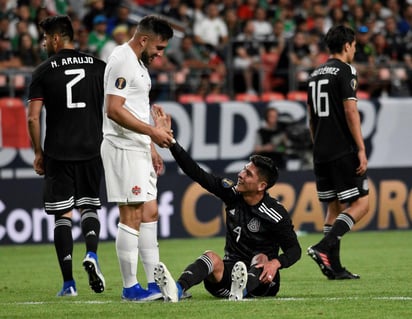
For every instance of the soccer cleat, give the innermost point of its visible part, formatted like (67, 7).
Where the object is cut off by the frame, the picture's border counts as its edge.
(68, 290)
(136, 293)
(166, 283)
(345, 274)
(154, 291)
(322, 259)
(96, 279)
(185, 295)
(239, 281)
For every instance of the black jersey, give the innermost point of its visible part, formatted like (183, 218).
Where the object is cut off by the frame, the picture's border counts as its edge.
(263, 228)
(329, 85)
(70, 84)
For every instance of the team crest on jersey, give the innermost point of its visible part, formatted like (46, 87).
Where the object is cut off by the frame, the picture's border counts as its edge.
(120, 83)
(136, 190)
(227, 183)
(253, 225)
(354, 84)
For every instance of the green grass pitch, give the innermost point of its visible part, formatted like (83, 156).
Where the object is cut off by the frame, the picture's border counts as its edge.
(30, 279)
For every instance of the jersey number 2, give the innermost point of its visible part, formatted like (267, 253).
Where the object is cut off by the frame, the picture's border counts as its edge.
(80, 74)
(320, 97)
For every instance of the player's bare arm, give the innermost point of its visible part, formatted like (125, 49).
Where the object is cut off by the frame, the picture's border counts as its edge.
(354, 124)
(116, 112)
(33, 122)
(156, 160)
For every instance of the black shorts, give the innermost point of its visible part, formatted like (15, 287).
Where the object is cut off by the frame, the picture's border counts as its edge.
(338, 180)
(222, 288)
(71, 184)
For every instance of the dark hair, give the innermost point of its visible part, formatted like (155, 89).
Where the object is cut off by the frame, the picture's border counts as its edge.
(267, 169)
(61, 25)
(337, 36)
(156, 25)
(268, 110)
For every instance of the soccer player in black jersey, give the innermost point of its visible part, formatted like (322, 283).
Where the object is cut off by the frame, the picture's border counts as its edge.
(257, 227)
(340, 161)
(69, 84)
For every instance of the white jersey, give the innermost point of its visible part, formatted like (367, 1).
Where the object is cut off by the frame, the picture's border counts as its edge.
(126, 76)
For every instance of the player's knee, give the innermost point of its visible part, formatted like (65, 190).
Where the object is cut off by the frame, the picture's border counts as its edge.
(215, 258)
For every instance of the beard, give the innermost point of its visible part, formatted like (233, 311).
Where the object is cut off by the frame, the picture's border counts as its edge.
(145, 58)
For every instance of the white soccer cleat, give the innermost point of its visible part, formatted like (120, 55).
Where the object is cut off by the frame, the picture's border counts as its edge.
(166, 283)
(239, 281)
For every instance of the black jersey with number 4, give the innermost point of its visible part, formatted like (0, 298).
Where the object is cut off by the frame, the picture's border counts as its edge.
(328, 86)
(70, 84)
(250, 230)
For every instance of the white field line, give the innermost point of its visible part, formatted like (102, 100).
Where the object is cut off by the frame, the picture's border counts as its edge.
(279, 299)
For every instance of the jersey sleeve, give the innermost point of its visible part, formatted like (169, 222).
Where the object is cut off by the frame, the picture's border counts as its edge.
(35, 88)
(349, 82)
(222, 188)
(119, 77)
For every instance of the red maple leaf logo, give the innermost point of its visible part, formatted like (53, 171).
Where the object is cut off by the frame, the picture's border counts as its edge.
(136, 190)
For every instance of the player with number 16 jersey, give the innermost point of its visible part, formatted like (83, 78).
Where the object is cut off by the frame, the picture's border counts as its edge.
(329, 85)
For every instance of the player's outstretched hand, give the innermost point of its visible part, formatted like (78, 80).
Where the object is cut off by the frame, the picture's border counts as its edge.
(160, 118)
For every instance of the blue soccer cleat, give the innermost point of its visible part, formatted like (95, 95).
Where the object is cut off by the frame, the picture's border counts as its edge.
(68, 290)
(96, 279)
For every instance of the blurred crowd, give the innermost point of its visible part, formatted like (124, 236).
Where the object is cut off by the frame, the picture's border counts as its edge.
(226, 46)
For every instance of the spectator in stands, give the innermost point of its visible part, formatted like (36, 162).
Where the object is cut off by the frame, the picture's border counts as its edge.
(7, 58)
(246, 59)
(211, 32)
(98, 37)
(81, 41)
(184, 15)
(394, 39)
(120, 35)
(23, 14)
(171, 9)
(271, 139)
(335, 16)
(382, 61)
(233, 24)
(96, 7)
(246, 10)
(262, 27)
(122, 17)
(295, 56)
(364, 59)
(405, 25)
(380, 10)
(196, 11)
(407, 56)
(191, 65)
(27, 51)
(41, 14)
(7, 9)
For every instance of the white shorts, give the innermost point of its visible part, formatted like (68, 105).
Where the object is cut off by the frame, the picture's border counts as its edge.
(129, 174)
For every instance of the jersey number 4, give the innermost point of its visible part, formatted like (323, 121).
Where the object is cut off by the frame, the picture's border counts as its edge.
(79, 75)
(320, 97)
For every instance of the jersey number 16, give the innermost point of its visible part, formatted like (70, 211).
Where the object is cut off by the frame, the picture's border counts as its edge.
(320, 97)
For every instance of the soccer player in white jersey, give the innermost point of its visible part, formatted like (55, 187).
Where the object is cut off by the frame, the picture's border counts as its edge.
(128, 152)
